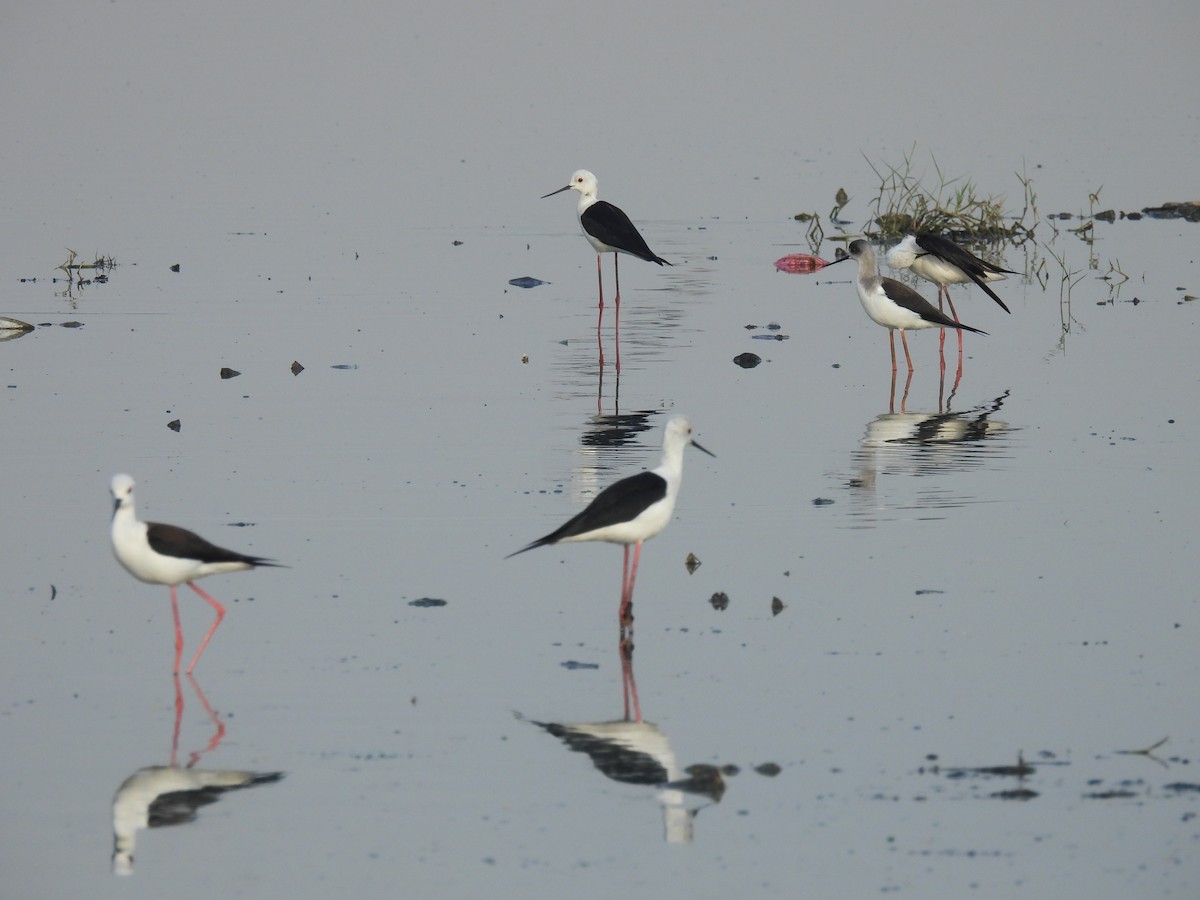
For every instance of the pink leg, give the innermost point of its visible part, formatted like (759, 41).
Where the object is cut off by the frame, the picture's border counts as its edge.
(637, 554)
(617, 279)
(942, 331)
(600, 337)
(908, 359)
(178, 631)
(892, 342)
(617, 315)
(624, 590)
(954, 314)
(220, 615)
(599, 281)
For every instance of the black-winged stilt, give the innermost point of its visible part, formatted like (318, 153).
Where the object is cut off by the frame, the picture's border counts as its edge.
(940, 260)
(167, 554)
(892, 304)
(632, 510)
(607, 229)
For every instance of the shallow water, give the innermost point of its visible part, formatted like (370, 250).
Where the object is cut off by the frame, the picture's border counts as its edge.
(1004, 571)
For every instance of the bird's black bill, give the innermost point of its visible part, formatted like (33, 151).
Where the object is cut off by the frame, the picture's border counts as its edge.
(565, 187)
(834, 262)
(703, 450)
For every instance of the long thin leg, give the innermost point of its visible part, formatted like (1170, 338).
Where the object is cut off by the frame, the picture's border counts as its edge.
(942, 331)
(626, 614)
(954, 387)
(623, 609)
(907, 357)
(220, 615)
(178, 631)
(625, 577)
(599, 281)
(600, 338)
(637, 554)
(892, 342)
(617, 315)
(954, 314)
(617, 279)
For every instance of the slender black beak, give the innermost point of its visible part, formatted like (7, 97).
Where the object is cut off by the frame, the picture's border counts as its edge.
(565, 187)
(703, 450)
(834, 262)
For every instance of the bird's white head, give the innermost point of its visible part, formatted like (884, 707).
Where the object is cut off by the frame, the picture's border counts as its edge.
(122, 488)
(584, 182)
(679, 434)
(581, 180)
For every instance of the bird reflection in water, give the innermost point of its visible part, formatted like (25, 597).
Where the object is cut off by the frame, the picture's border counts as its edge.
(158, 796)
(632, 751)
(927, 444)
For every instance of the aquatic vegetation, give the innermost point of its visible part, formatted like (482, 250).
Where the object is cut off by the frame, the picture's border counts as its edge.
(903, 203)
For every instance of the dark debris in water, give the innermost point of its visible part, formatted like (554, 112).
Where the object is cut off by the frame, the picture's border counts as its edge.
(227, 372)
(573, 664)
(692, 563)
(296, 367)
(426, 602)
(777, 606)
(1188, 210)
(526, 281)
(719, 601)
(1014, 794)
(174, 425)
(769, 769)
(747, 360)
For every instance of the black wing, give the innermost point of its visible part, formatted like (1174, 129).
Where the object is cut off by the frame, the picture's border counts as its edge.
(609, 225)
(622, 501)
(902, 295)
(974, 267)
(171, 540)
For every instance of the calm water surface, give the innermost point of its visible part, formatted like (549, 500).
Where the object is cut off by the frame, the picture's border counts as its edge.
(987, 587)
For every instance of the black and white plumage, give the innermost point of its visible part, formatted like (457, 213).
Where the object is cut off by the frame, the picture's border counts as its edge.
(161, 796)
(940, 260)
(606, 227)
(632, 510)
(608, 230)
(892, 304)
(166, 554)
